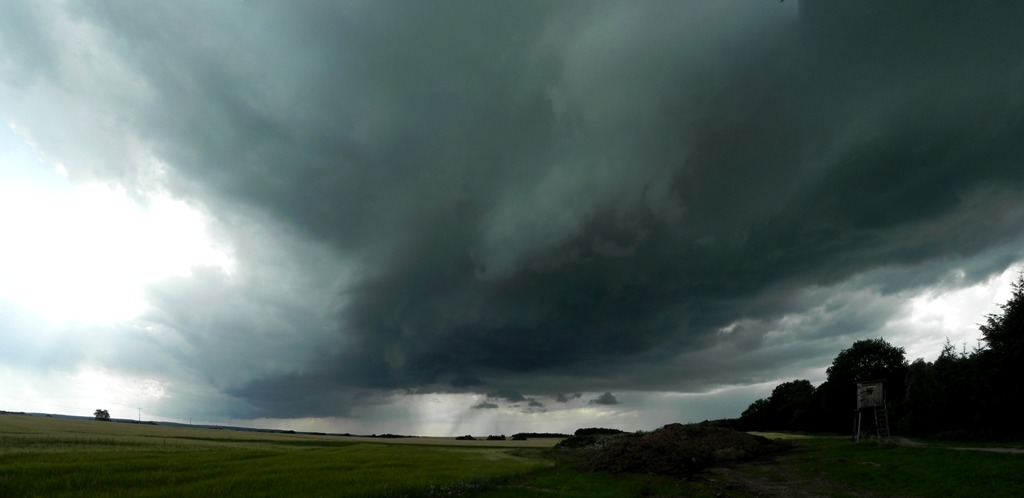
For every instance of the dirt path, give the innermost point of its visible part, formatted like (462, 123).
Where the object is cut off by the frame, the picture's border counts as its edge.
(771, 477)
(902, 441)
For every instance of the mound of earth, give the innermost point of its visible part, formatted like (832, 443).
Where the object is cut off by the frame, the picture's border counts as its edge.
(591, 441)
(678, 449)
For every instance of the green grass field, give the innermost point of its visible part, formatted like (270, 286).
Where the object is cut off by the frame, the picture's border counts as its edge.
(894, 470)
(819, 466)
(42, 456)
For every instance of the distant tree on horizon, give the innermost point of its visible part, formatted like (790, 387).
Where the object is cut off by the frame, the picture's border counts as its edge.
(790, 407)
(102, 415)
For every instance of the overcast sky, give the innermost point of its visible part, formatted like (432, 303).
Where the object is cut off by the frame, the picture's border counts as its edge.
(454, 217)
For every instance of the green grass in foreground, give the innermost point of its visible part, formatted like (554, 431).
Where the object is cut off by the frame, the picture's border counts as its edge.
(181, 465)
(904, 471)
(820, 466)
(566, 478)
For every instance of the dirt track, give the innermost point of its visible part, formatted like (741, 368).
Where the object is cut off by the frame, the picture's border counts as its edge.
(772, 477)
(902, 441)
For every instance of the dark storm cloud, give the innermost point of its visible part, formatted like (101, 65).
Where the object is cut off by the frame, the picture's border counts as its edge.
(484, 406)
(549, 197)
(506, 395)
(35, 56)
(565, 398)
(605, 399)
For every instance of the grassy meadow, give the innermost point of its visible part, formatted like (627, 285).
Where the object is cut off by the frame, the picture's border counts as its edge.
(818, 467)
(42, 456)
(893, 470)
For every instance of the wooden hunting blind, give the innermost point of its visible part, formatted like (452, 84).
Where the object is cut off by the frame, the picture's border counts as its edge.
(870, 395)
(870, 401)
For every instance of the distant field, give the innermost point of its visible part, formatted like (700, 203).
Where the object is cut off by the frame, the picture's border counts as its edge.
(42, 456)
(23, 424)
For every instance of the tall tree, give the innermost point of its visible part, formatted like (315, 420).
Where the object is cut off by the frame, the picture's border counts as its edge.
(791, 405)
(756, 417)
(1003, 364)
(1004, 332)
(921, 404)
(869, 359)
(865, 360)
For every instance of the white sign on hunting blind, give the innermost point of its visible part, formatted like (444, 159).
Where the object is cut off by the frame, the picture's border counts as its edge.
(869, 394)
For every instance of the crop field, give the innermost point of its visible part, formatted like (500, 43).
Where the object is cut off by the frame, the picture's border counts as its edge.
(42, 456)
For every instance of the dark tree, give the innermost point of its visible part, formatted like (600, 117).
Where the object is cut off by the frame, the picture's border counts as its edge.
(757, 416)
(869, 359)
(101, 414)
(1004, 332)
(790, 407)
(960, 382)
(865, 360)
(921, 403)
(596, 431)
(1002, 363)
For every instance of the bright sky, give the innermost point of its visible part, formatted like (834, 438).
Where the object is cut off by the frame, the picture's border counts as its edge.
(85, 253)
(77, 259)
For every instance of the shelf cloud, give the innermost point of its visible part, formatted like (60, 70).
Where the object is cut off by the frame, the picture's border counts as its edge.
(527, 201)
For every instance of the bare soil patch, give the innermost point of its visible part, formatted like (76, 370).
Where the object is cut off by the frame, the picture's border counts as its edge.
(771, 476)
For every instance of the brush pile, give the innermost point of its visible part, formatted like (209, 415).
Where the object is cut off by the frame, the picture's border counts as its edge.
(675, 449)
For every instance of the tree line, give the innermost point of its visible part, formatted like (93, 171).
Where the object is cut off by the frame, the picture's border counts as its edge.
(962, 394)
